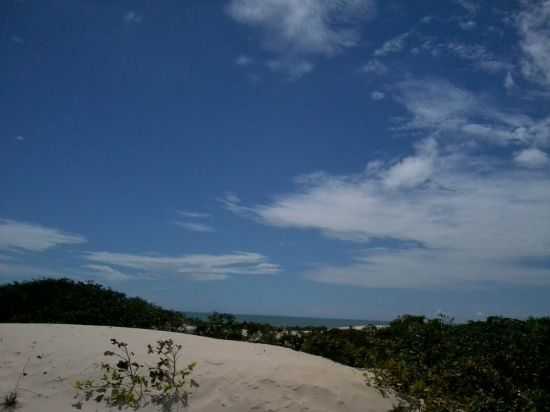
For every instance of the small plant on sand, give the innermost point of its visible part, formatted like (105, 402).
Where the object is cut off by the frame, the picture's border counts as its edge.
(129, 384)
(10, 401)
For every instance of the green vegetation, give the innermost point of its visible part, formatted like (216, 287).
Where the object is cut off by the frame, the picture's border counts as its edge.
(10, 401)
(433, 365)
(496, 365)
(129, 384)
(84, 303)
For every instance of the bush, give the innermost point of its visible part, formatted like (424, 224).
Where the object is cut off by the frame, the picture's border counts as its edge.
(10, 401)
(126, 384)
(84, 303)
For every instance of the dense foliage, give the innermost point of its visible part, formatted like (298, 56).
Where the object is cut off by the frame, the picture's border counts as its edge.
(434, 365)
(67, 301)
(496, 365)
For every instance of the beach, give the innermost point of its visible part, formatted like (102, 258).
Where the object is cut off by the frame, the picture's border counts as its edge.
(233, 376)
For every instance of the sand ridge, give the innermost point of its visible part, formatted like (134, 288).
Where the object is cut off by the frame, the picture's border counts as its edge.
(233, 376)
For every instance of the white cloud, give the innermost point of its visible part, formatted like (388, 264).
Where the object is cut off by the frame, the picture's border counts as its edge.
(468, 51)
(412, 170)
(19, 138)
(471, 226)
(375, 67)
(470, 6)
(133, 17)
(509, 82)
(232, 202)
(244, 60)
(32, 237)
(467, 25)
(492, 65)
(195, 227)
(196, 266)
(451, 112)
(377, 95)
(295, 68)
(435, 103)
(299, 30)
(419, 268)
(478, 54)
(533, 25)
(12, 269)
(192, 215)
(18, 40)
(394, 45)
(108, 273)
(531, 158)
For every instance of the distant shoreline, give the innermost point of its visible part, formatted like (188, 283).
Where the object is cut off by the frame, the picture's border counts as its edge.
(293, 321)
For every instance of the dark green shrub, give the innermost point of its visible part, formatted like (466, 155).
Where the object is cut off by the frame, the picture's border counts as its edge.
(67, 301)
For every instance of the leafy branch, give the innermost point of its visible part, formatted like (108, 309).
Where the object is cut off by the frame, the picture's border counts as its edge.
(130, 384)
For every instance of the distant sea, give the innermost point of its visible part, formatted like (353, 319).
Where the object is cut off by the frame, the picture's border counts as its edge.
(290, 321)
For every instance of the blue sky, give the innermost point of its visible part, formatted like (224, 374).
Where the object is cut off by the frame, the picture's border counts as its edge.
(337, 158)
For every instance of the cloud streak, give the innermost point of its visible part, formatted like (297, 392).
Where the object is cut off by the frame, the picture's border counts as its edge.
(533, 23)
(195, 266)
(22, 236)
(461, 224)
(108, 273)
(195, 227)
(439, 107)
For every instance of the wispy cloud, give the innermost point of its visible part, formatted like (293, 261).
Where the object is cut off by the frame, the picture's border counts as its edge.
(375, 67)
(244, 60)
(298, 31)
(195, 226)
(460, 225)
(509, 82)
(533, 23)
(478, 55)
(470, 6)
(532, 158)
(232, 203)
(467, 25)
(377, 95)
(17, 40)
(192, 215)
(11, 269)
(132, 17)
(108, 273)
(412, 170)
(16, 235)
(294, 68)
(493, 65)
(196, 266)
(449, 111)
(394, 45)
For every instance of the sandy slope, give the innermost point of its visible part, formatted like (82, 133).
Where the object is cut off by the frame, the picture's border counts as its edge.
(234, 376)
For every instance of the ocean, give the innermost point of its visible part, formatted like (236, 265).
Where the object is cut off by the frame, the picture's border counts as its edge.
(290, 321)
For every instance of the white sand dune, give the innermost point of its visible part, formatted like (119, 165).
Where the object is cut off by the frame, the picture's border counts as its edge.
(233, 376)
